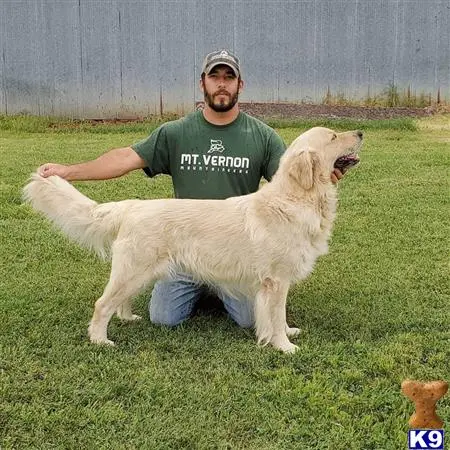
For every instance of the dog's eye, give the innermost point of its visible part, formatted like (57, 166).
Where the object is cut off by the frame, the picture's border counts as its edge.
(334, 137)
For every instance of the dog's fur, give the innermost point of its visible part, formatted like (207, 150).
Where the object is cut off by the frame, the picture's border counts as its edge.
(255, 244)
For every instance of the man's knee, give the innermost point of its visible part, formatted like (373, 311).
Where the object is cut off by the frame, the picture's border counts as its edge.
(162, 318)
(240, 310)
(163, 313)
(244, 322)
(172, 302)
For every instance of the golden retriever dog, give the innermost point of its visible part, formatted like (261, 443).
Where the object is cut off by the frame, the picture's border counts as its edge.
(256, 244)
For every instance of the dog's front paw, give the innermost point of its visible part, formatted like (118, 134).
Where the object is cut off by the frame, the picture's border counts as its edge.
(284, 345)
(291, 332)
(291, 348)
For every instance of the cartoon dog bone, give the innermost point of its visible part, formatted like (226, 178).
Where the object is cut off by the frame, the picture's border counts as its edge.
(425, 396)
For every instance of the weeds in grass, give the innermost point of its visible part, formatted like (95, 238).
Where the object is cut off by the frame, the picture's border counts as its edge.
(390, 96)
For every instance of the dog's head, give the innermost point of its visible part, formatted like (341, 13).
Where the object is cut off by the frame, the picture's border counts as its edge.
(314, 154)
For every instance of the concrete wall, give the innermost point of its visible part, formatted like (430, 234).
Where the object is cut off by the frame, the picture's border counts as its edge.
(111, 58)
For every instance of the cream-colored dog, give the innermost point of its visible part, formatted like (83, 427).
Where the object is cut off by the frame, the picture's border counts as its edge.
(257, 244)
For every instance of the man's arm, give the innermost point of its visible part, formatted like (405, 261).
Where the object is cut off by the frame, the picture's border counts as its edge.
(112, 164)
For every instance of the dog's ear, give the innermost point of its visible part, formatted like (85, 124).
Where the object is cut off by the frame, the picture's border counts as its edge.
(304, 168)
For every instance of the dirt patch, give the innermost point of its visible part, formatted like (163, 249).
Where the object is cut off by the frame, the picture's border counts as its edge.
(285, 111)
(291, 111)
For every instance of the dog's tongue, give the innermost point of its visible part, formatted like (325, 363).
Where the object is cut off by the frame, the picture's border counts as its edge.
(346, 162)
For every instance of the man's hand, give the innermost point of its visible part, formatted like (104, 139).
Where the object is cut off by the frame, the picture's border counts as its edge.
(336, 175)
(49, 169)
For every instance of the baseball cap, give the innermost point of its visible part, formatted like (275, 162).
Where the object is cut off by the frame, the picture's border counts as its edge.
(216, 58)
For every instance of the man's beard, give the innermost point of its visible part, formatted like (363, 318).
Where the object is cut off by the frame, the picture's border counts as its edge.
(223, 105)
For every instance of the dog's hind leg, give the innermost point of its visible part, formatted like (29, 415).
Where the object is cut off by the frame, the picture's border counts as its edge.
(270, 315)
(129, 275)
(115, 294)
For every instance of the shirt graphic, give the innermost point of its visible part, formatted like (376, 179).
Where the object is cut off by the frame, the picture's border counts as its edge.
(214, 163)
(216, 146)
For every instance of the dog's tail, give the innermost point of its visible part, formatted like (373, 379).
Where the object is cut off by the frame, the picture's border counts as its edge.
(80, 218)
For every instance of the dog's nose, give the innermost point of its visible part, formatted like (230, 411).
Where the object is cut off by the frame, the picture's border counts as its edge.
(360, 134)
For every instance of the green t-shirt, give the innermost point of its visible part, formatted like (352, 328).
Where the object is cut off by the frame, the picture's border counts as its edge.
(209, 161)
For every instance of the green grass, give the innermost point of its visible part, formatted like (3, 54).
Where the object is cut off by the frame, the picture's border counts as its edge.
(34, 124)
(375, 311)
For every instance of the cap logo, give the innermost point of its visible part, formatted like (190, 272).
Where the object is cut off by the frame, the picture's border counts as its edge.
(221, 56)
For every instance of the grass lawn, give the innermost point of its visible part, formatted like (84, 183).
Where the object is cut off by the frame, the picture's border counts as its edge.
(375, 311)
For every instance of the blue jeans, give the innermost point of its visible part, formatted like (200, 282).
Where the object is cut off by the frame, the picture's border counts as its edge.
(174, 301)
